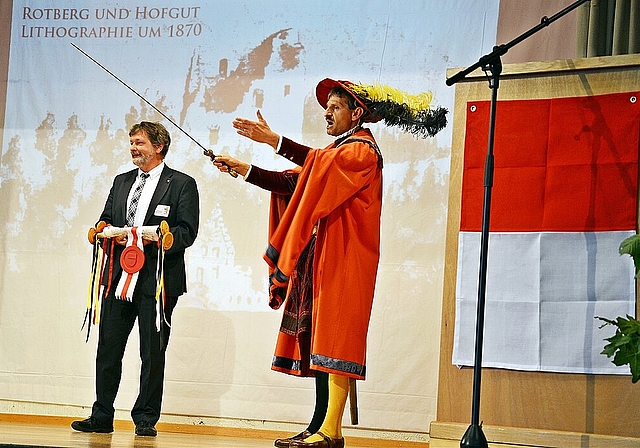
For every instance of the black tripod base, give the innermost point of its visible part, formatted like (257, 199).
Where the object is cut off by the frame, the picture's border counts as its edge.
(474, 438)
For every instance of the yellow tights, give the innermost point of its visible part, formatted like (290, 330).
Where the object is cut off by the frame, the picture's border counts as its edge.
(338, 392)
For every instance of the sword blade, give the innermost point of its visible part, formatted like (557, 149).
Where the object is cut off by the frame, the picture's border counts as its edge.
(207, 152)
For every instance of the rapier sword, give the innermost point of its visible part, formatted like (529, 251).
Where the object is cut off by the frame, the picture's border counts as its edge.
(207, 152)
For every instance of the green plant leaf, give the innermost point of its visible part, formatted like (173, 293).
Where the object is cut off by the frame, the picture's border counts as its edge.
(624, 345)
(631, 246)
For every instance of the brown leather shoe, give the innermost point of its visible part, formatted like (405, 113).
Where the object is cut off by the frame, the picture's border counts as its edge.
(326, 442)
(286, 443)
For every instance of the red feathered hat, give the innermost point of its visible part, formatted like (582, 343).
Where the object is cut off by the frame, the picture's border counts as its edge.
(412, 113)
(326, 85)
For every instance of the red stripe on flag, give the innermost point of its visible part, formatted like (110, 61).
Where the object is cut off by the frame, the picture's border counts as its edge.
(565, 164)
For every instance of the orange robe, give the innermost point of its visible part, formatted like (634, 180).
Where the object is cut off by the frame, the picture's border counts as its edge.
(340, 189)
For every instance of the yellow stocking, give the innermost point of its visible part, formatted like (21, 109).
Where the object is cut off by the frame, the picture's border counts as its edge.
(338, 392)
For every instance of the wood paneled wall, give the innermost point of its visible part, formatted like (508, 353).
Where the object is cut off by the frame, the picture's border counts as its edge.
(590, 404)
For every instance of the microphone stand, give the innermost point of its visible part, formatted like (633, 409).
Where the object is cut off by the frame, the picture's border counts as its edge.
(491, 64)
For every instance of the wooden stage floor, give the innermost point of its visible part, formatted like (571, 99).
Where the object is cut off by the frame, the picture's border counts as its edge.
(59, 434)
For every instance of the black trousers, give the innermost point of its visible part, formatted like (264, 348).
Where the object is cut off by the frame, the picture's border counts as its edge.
(117, 318)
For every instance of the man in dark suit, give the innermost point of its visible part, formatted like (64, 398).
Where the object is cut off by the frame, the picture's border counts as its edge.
(158, 193)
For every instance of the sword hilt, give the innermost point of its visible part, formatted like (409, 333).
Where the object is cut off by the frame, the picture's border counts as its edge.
(209, 153)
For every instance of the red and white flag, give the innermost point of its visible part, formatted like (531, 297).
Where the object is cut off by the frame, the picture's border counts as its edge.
(563, 199)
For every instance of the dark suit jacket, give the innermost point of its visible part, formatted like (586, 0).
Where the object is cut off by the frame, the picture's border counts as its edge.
(179, 192)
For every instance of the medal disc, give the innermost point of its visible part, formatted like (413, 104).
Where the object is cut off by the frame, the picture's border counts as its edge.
(167, 241)
(92, 235)
(132, 259)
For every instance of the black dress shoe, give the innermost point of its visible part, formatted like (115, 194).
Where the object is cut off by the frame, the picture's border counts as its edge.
(286, 443)
(145, 428)
(93, 425)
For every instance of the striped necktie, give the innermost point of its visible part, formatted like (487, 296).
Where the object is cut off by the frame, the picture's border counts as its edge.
(135, 198)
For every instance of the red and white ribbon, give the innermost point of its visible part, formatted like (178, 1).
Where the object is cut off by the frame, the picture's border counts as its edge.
(131, 260)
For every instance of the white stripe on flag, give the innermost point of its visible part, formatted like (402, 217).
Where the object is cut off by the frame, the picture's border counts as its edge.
(543, 293)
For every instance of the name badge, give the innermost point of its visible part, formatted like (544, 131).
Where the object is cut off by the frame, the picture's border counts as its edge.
(162, 211)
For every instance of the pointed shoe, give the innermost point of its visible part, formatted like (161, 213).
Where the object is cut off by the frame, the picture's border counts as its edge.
(286, 443)
(326, 442)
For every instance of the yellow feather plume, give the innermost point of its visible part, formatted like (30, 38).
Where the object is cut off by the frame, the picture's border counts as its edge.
(380, 92)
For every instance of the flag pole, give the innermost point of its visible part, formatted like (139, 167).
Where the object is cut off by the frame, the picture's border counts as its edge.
(491, 64)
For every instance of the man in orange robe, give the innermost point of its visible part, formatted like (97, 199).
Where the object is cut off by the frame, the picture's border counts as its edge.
(338, 194)
(339, 190)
